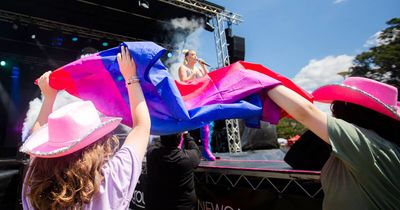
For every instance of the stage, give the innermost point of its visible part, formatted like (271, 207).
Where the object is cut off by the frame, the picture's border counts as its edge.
(256, 180)
(249, 180)
(262, 163)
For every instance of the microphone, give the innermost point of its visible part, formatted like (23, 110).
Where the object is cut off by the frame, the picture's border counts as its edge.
(203, 62)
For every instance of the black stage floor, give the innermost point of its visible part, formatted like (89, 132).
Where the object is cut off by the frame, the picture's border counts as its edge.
(265, 163)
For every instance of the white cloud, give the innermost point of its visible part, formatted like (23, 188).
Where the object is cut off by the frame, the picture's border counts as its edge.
(375, 39)
(322, 72)
(338, 1)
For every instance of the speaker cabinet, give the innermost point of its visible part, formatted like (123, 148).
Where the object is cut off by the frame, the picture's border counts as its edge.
(236, 48)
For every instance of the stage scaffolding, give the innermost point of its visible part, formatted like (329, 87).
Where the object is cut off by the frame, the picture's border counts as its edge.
(279, 182)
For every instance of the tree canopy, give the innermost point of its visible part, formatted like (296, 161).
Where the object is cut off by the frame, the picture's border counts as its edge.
(381, 62)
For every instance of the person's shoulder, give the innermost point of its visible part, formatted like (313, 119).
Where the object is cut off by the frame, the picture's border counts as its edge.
(182, 66)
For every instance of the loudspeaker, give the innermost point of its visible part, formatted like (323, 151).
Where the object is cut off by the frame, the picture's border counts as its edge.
(236, 48)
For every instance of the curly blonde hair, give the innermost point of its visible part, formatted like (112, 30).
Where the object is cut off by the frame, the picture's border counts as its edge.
(69, 182)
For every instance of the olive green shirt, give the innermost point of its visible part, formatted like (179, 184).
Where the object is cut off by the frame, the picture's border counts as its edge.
(363, 171)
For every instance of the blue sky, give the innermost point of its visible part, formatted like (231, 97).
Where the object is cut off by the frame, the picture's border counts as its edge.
(305, 40)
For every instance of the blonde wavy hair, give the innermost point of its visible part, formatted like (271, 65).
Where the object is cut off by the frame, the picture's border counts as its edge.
(69, 182)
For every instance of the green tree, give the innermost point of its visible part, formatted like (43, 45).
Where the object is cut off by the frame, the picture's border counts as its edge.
(288, 128)
(381, 62)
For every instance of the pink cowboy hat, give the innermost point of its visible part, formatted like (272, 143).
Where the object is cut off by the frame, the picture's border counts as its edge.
(365, 92)
(68, 130)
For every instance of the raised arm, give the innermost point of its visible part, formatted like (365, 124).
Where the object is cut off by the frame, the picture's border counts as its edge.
(49, 95)
(192, 150)
(301, 110)
(203, 68)
(139, 135)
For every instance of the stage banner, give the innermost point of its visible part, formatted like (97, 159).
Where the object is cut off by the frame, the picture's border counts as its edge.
(138, 202)
(225, 197)
(222, 197)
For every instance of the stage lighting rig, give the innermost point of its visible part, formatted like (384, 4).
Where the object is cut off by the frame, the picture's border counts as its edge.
(144, 3)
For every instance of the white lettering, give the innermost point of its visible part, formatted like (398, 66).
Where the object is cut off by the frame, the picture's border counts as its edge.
(138, 199)
(207, 205)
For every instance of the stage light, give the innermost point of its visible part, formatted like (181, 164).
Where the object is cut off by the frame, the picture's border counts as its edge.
(15, 72)
(105, 44)
(209, 27)
(144, 3)
(15, 25)
(32, 31)
(15, 86)
(74, 39)
(57, 41)
(3, 63)
(169, 54)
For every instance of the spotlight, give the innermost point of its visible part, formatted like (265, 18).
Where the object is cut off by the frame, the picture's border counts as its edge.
(144, 3)
(15, 26)
(3, 63)
(74, 39)
(104, 44)
(209, 26)
(169, 54)
(57, 41)
(15, 72)
(32, 30)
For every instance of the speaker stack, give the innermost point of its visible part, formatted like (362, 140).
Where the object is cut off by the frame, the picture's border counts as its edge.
(236, 46)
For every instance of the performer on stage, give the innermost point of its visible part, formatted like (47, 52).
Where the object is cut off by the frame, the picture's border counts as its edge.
(188, 71)
(76, 162)
(170, 178)
(364, 166)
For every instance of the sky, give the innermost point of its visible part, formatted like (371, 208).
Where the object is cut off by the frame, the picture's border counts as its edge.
(309, 41)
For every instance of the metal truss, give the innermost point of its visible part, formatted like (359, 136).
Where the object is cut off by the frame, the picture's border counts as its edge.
(233, 135)
(221, 45)
(45, 24)
(207, 9)
(34, 60)
(256, 183)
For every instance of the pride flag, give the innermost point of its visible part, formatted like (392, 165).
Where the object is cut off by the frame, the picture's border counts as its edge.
(235, 91)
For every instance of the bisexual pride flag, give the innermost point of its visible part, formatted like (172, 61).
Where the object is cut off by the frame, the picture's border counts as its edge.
(235, 91)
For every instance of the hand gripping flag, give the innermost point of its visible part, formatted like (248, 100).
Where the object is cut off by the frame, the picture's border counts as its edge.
(235, 91)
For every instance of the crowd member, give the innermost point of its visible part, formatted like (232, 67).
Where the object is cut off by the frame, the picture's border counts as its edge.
(75, 161)
(170, 178)
(363, 169)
